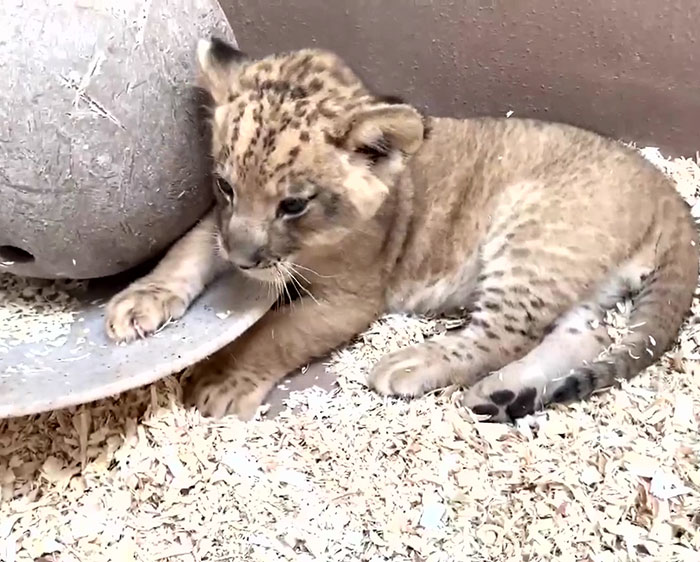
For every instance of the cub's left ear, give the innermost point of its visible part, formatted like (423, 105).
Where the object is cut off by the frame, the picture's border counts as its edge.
(379, 130)
(218, 62)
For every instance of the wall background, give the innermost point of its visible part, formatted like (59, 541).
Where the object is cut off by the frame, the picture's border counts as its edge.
(625, 68)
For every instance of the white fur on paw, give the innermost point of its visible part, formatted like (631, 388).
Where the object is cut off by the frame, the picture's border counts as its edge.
(408, 372)
(230, 396)
(140, 310)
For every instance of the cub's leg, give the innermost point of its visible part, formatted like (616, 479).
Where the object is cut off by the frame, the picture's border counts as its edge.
(528, 384)
(510, 317)
(535, 269)
(166, 292)
(236, 379)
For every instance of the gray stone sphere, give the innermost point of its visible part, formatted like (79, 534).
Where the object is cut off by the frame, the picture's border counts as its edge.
(103, 156)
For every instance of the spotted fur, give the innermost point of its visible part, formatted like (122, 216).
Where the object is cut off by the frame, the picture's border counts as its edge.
(364, 206)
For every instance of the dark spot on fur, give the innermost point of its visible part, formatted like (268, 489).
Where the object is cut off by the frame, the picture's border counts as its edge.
(528, 335)
(523, 404)
(480, 323)
(304, 136)
(476, 295)
(315, 85)
(493, 306)
(456, 355)
(502, 397)
(549, 328)
(331, 204)
(520, 290)
(498, 253)
(482, 347)
(293, 152)
(537, 303)
(573, 330)
(491, 335)
(228, 406)
(510, 329)
(601, 339)
(297, 92)
(485, 410)
(517, 350)
(493, 274)
(495, 290)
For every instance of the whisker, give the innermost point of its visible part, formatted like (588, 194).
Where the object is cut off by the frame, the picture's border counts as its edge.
(301, 286)
(296, 265)
(295, 282)
(294, 270)
(281, 270)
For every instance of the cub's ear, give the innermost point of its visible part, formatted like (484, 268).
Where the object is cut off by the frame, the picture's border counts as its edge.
(378, 131)
(218, 61)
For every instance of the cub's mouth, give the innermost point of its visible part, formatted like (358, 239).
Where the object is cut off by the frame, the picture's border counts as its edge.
(267, 273)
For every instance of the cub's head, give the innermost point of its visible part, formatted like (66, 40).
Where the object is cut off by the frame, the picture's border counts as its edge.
(304, 154)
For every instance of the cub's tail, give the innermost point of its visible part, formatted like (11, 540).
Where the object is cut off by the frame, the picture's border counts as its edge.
(658, 311)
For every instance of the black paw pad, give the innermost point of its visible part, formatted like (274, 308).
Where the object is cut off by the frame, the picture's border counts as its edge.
(485, 410)
(523, 404)
(568, 391)
(502, 397)
(578, 385)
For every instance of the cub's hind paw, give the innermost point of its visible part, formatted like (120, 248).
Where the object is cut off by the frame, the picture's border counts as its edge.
(489, 397)
(140, 310)
(410, 371)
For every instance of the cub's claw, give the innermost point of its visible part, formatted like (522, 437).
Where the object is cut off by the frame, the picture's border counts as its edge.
(141, 310)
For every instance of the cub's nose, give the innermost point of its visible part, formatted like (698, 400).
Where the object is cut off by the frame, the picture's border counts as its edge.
(252, 260)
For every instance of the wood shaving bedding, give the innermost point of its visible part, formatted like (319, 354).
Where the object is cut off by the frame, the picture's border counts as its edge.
(348, 475)
(34, 311)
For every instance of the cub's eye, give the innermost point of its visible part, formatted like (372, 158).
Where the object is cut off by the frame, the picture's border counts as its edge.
(225, 188)
(292, 206)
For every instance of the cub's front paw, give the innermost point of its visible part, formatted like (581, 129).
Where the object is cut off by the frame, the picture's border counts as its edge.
(139, 310)
(216, 392)
(409, 372)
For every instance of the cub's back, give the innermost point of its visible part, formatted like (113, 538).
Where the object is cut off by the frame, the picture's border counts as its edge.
(467, 167)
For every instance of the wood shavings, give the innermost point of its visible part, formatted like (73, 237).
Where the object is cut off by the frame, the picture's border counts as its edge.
(33, 311)
(352, 476)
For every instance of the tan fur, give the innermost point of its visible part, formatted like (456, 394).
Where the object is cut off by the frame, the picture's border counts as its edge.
(534, 227)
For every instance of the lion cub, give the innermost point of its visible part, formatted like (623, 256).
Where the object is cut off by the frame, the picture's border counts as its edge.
(367, 206)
